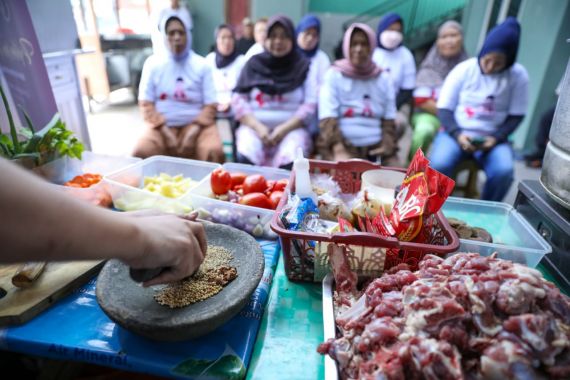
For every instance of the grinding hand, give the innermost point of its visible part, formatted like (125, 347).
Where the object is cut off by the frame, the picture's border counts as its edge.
(144, 275)
(27, 273)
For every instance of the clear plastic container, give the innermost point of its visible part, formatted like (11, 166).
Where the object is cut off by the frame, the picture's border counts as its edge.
(64, 169)
(126, 186)
(513, 237)
(253, 220)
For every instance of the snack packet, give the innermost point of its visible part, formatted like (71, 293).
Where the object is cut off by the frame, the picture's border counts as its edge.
(422, 194)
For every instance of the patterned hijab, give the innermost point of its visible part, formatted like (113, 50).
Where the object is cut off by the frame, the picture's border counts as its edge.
(275, 75)
(434, 68)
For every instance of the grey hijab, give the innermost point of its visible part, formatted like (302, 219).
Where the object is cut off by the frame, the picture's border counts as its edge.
(434, 68)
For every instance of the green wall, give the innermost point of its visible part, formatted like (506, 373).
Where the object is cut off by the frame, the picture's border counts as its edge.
(544, 52)
(206, 16)
(472, 21)
(295, 9)
(342, 6)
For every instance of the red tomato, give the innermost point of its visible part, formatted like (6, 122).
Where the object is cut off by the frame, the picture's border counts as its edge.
(274, 198)
(237, 179)
(256, 200)
(281, 185)
(220, 181)
(254, 183)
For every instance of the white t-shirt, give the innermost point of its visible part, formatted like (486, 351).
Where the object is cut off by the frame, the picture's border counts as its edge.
(358, 104)
(178, 89)
(400, 64)
(320, 63)
(483, 102)
(256, 48)
(225, 79)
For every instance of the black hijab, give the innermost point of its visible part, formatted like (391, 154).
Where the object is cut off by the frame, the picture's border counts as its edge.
(224, 60)
(275, 75)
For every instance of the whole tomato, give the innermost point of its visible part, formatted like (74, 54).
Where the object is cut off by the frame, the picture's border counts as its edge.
(237, 179)
(254, 183)
(281, 185)
(274, 198)
(220, 181)
(256, 200)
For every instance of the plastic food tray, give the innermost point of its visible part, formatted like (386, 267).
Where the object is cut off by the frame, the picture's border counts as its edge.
(305, 253)
(126, 185)
(253, 220)
(64, 169)
(513, 237)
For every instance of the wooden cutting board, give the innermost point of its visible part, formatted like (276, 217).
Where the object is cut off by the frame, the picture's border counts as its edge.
(58, 280)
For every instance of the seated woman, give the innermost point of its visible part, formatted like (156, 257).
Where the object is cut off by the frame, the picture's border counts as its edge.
(178, 101)
(443, 56)
(357, 104)
(396, 59)
(482, 101)
(308, 34)
(226, 65)
(274, 100)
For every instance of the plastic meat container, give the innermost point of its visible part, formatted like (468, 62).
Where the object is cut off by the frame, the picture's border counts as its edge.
(305, 253)
(126, 186)
(513, 237)
(253, 220)
(64, 169)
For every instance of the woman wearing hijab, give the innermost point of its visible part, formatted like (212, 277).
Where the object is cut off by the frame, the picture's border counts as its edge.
(482, 101)
(226, 64)
(308, 34)
(274, 100)
(357, 105)
(392, 56)
(443, 56)
(178, 101)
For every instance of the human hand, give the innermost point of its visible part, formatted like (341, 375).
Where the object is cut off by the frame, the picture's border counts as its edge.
(465, 144)
(263, 132)
(489, 143)
(173, 242)
(223, 107)
(278, 133)
(169, 139)
(340, 153)
(187, 146)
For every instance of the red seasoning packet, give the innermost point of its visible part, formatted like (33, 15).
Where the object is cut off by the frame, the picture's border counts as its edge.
(423, 192)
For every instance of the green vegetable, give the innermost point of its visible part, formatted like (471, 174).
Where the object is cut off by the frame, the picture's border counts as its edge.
(51, 142)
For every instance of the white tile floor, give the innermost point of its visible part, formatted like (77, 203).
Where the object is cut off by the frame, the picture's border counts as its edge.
(115, 126)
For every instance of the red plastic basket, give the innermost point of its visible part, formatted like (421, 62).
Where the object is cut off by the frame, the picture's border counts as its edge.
(305, 255)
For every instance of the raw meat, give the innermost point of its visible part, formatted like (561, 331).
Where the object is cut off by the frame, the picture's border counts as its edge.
(465, 317)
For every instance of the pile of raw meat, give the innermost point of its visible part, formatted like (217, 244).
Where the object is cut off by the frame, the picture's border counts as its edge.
(465, 317)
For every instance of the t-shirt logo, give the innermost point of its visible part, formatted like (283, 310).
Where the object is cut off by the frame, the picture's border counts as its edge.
(179, 93)
(367, 108)
(486, 111)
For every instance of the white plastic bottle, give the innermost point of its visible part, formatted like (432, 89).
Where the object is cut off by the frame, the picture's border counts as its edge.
(303, 186)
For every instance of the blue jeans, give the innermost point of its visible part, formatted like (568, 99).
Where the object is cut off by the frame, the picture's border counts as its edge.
(497, 163)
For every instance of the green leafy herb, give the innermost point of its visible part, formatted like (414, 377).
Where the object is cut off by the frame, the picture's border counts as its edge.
(52, 141)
